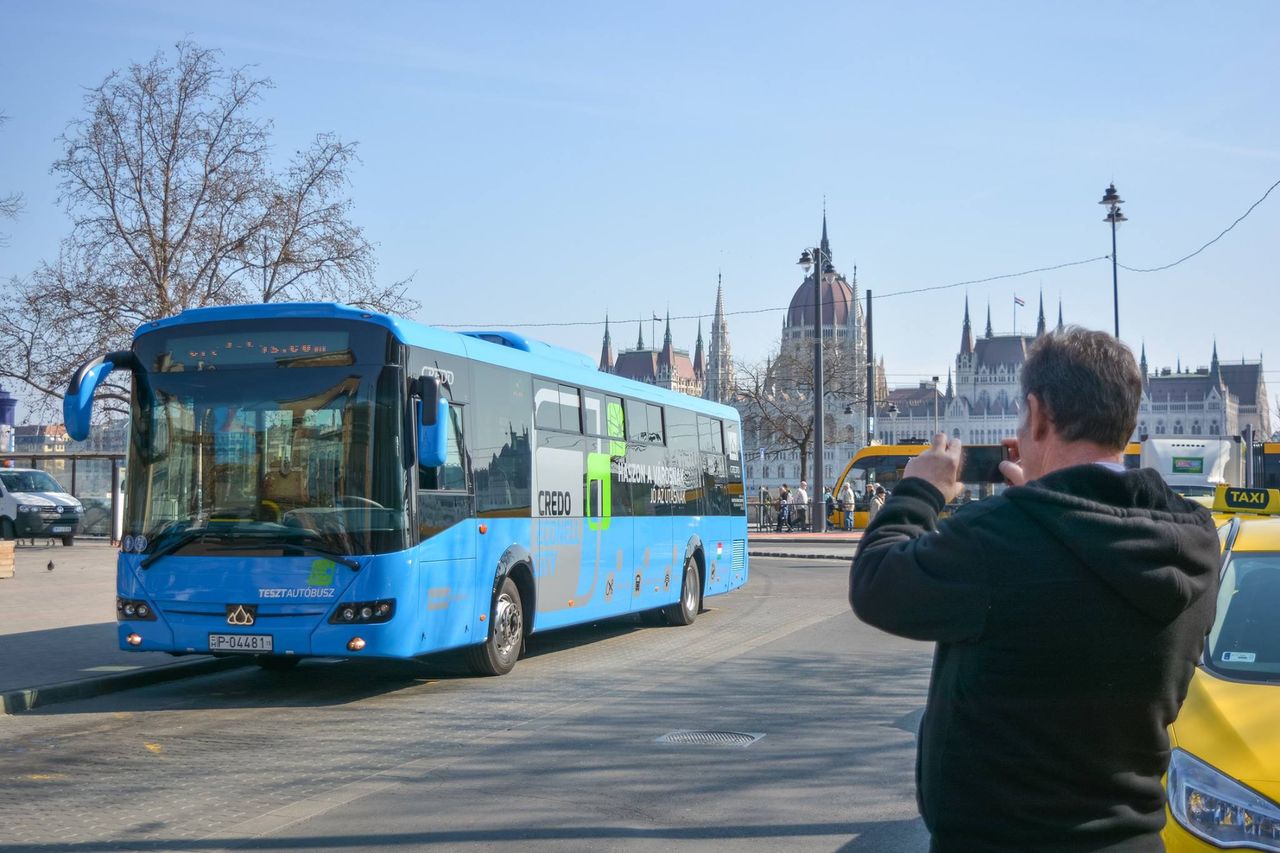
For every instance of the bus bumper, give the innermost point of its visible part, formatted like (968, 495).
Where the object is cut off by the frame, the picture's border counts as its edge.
(206, 635)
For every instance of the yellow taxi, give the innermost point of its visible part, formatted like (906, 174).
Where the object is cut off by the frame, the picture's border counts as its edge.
(1224, 775)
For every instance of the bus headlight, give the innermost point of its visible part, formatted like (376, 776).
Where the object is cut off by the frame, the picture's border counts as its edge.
(1213, 806)
(132, 610)
(363, 612)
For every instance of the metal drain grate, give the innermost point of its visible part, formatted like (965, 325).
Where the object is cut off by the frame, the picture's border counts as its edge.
(705, 738)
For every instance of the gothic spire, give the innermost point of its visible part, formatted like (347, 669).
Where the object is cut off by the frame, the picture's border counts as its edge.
(1215, 371)
(666, 338)
(1040, 321)
(699, 360)
(606, 349)
(989, 334)
(966, 336)
(1060, 314)
(719, 382)
(826, 246)
(950, 389)
(640, 335)
(1142, 364)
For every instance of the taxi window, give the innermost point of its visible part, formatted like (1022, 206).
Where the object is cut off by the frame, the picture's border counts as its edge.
(1244, 642)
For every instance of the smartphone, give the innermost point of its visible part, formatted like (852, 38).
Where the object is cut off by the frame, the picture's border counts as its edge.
(982, 464)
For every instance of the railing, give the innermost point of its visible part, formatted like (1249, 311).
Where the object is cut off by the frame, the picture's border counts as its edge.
(93, 478)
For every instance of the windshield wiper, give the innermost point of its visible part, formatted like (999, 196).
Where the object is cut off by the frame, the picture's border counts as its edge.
(186, 537)
(268, 541)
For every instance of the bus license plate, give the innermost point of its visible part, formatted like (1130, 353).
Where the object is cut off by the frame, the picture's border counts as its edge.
(60, 529)
(253, 643)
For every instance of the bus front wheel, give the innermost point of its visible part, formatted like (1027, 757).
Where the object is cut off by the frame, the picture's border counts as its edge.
(498, 654)
(684, 611)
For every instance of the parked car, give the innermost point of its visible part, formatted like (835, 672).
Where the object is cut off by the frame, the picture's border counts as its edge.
(1224, 774)
(32, 504)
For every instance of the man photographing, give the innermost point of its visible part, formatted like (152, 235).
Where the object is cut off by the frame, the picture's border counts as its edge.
(1069, 613)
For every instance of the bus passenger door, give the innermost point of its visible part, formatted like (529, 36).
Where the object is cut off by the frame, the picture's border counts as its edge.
(447, 550)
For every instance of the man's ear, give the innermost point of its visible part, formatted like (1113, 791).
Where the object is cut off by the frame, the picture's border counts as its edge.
(1038, 418)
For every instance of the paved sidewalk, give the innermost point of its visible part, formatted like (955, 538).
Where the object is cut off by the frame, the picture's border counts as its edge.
(59, 626)
(837, 545)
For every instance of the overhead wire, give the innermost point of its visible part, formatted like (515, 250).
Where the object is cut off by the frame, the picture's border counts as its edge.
(878, 296)
(775, 308)
(1239, 219)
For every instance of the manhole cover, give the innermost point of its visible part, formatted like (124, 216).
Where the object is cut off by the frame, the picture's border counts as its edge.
(706, 738)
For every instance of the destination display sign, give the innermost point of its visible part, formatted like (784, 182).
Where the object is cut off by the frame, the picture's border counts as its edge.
(301, 348)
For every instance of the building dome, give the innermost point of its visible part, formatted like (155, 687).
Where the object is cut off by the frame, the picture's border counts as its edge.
(838, 301)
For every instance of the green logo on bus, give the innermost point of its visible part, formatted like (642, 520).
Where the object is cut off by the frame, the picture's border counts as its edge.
(322, 572)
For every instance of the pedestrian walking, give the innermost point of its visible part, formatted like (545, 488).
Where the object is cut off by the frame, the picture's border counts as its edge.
(878, 497)
(1069, 613)
(800, 505)
(847, 504)
(784, 507)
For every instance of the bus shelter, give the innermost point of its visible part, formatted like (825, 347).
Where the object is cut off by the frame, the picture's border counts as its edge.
(93, 478)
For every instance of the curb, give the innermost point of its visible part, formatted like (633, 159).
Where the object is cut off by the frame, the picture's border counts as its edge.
(27, 698)
(777, 554)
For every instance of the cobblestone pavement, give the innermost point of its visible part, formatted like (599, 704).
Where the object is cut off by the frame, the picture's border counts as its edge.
(558, 755)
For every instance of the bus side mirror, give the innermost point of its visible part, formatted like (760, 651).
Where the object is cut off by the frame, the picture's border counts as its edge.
(77, 405)
(427, 389)
(433, 421)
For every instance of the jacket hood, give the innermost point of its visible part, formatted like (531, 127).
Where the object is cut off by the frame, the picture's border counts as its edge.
(1162, 551)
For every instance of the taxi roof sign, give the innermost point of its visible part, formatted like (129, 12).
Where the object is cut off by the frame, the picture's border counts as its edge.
(1239, 499)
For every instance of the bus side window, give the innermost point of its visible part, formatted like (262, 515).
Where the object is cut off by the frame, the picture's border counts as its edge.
(452, 475)
(709, 437)
(732, 448)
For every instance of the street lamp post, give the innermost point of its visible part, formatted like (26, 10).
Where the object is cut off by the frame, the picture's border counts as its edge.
(935, 406)
(1111, 199)
(816, 258)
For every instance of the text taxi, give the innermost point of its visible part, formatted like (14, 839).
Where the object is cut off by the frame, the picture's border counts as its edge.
(1224, 776)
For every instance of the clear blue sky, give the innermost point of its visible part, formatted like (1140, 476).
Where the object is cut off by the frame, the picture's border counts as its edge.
(551, 161)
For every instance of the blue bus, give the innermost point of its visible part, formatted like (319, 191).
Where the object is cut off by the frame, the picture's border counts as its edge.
(317, 480)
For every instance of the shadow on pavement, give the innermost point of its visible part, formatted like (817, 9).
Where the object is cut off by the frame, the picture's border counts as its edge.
(869, 835)
(314, 682)
(52, 655)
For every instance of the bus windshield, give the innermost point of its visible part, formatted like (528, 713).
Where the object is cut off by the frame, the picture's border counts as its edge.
(269, 456)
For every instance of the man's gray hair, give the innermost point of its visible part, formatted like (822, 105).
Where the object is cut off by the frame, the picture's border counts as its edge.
(1088, 383)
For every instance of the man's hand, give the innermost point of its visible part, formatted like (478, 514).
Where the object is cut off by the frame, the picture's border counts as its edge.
(1010, 468)
(939, 465)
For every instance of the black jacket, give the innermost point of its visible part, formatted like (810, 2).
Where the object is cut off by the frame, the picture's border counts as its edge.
(1069, 615)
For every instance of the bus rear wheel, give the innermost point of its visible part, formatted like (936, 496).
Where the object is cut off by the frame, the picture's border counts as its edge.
(684, 611)
(498, 654)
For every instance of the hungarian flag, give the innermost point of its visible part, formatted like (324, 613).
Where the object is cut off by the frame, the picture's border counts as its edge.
(1017, 300)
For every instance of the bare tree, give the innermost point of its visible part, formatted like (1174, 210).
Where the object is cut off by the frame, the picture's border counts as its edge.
(10, 205)
(174, 205)
(776, 396)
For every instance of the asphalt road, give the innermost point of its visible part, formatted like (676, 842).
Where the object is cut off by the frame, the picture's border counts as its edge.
(559, 755)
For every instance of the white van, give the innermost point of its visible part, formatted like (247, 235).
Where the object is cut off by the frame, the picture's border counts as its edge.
(33, 504)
